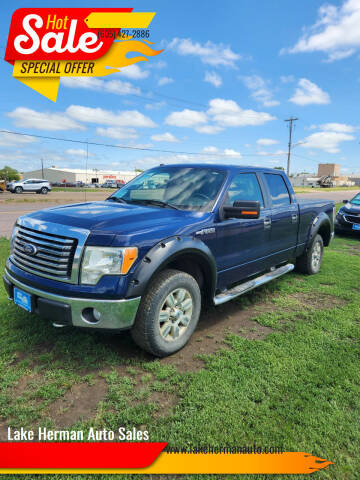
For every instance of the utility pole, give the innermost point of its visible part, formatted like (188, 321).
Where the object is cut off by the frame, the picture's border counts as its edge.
(290, 120)
(42, 168)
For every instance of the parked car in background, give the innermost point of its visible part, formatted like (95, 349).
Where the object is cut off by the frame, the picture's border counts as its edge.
(147, 258)
(348, 217)
(30, 185)
(110, 184)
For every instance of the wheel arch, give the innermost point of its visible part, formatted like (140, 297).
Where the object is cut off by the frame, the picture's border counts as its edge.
(186, 254)
(322, 226)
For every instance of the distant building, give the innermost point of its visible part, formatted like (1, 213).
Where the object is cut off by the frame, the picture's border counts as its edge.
(73, 175)
(328, 169)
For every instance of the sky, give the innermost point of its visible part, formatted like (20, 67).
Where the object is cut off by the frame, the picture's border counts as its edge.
(230, 74)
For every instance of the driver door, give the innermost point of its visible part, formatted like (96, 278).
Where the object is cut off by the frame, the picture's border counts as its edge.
(243, 243)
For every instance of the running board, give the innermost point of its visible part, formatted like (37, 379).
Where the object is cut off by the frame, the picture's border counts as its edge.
(247, 286)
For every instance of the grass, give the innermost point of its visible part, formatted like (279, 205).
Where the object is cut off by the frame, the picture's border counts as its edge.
(298, 388)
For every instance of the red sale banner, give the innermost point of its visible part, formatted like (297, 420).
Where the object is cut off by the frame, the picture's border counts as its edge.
(45, 44)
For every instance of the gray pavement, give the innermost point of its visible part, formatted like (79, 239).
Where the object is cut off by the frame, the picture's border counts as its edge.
(337, 196)
(9, 212)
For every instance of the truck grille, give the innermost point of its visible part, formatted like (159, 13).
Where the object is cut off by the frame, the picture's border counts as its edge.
(352, 218)
(44, 253)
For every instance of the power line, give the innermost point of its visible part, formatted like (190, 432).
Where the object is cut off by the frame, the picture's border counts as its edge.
(129, 147)
(290, 120)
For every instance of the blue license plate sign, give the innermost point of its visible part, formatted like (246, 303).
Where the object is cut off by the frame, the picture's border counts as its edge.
(356, 226)
(22, 299)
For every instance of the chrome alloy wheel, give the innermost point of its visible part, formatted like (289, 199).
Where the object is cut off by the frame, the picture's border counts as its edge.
(316, 256)
(175, 314)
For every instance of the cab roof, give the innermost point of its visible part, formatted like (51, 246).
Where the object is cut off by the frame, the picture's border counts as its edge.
(224, 167)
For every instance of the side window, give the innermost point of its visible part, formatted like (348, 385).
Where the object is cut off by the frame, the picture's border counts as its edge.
(278, 190)
(244, 187)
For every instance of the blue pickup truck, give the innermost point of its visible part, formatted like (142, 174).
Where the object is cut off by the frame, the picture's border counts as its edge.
(176, 236)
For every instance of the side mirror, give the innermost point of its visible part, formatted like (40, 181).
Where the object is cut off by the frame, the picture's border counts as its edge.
(345, 201)
(242, 209)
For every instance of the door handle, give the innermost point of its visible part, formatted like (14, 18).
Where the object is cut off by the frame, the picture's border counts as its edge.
(294, 218)
(267, 222)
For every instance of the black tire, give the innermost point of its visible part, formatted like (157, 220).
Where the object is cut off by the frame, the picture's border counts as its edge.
(44, 190)
(146, 329)
(18, 190)
(310, 261)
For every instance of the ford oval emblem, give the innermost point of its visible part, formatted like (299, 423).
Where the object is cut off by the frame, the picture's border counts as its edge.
(30, 249)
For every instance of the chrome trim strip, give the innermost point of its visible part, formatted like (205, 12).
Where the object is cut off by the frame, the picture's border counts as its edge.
(115, 314)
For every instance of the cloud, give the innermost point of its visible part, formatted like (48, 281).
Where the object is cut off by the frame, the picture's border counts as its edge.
(221, 113)
(211, 149)
(213, 78)
(287, 78)
(119, 133)
(308, 93)
(209, 129)
(28, 118)
(326, 141)
(134, 72)
(215, 54)
(227, 151)
(267, 141)
(124, 118)
(79, 152)
(260, 90)
(155, 105)
(227, 113)
(336, 32)
(186, 118)
(164, 137)
(165, 81)
(335, 127)
(97, 84)
(13, 140)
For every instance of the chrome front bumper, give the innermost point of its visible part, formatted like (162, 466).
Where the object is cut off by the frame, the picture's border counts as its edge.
(114, 314)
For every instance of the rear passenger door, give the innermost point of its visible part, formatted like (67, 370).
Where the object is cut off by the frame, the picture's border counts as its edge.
(284, 218)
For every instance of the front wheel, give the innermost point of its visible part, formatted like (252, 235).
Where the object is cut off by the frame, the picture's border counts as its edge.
(310, 261)
(168, 313)
(44, 190)
(18, 190)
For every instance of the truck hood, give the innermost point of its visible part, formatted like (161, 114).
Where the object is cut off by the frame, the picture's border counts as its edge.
(351, 208)
(122, 219)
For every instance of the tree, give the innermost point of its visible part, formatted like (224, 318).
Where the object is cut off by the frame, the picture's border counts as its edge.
(8, 173)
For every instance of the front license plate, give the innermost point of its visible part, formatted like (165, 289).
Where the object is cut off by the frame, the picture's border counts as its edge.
(22, 299)
(356, 226)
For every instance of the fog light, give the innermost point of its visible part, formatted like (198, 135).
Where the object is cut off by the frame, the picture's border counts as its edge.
(91, 315)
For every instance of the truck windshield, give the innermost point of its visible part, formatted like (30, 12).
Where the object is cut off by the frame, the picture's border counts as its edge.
(356, 199)
(188, 188)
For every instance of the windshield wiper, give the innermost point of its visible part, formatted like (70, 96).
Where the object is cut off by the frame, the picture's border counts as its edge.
(157, 203)
(117, 199)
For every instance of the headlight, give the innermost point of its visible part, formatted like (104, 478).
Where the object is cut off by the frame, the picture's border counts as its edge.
(99, 261)
(12, 240)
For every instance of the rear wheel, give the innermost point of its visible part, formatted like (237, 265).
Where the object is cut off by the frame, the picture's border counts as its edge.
(168, 313)
(18, 190)
(310, 261)
(44, 190)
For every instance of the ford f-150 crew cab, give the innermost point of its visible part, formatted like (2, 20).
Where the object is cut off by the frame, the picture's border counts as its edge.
(175, 236)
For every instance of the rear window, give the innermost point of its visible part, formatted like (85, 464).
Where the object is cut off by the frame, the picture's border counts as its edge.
(278, 190)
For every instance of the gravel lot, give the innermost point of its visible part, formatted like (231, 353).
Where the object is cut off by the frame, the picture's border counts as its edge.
(12, 206)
